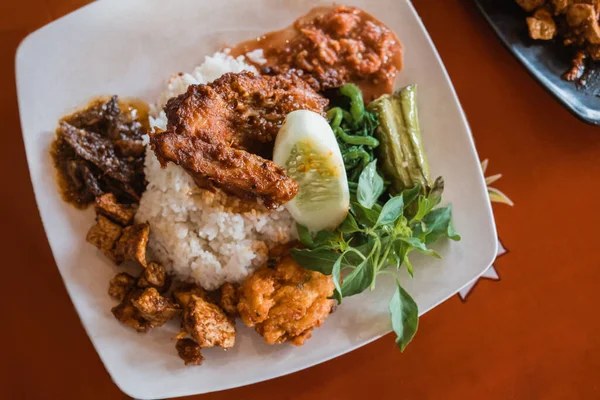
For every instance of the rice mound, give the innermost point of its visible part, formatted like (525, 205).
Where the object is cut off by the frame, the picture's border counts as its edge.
(199, 235)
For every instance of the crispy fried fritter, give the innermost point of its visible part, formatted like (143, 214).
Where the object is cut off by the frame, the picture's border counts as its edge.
(285, 303)
(229, 299)
(104, 235)
(154, 308)
(222, 133)
(154, 275)
(120, 285)
(207, 324)
(108, 206)
(132, 244)
(189, 351)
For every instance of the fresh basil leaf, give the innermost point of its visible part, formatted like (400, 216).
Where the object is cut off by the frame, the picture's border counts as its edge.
(305, 236)
(370, 185)
(320, 260)
(349, 225)
(364, 216)
(420, 246)
(410, 195)
(435, 193)
(405, 316)
(391, 210)
(436, 224)
(324, 238)
(335, 275)
(358, 280)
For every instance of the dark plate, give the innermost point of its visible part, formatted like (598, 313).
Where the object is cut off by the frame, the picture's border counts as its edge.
(546, 61)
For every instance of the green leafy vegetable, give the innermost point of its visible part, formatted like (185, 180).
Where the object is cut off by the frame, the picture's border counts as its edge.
(405, 316)
(380, 231)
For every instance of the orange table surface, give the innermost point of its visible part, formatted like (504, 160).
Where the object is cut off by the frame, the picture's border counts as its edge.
(533, 333)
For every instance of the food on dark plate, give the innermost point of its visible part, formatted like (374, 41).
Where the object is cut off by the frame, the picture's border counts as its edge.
(99, 150)
(217, 131)
(574, 23)
(281, 177)
(331, 46)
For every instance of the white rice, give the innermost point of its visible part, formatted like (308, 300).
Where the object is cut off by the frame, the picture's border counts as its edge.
(192, 231)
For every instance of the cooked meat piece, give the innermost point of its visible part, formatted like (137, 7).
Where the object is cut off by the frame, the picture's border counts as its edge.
(560, 6)
(207, 324)
(541, 25)
(333, 45)
(120, 286)
(154, 275)
(99, 150)
(530, 5)
(237, 172)
(285, 302)
(96, 149)
(580, 14)
(154, 308)
(104, 235)
(108, 206)
(220, 133)
(189, 351)
(229, 299)
(183, 293)
(132, 244)
(129, 315)
(594, 52)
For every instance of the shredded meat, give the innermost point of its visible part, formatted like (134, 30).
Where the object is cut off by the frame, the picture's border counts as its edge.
(207, 324)
(108, 206)
(132, 244)
(222, 133)
(189, 351)
(104, 235)
(286, 302)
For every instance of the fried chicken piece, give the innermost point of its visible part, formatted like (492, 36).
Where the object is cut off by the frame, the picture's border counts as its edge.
(541, 25)
(132, 244)
(154, 308)
(104, 235)
(189, 351)
(154, 275)
(207, 324)
(108, 206)
(129, 315)
(285, 303)
(120, 285)
(222, 133)
(229, 299)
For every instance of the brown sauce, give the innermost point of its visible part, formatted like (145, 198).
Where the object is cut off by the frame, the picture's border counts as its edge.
(98, 149)
(332, 45)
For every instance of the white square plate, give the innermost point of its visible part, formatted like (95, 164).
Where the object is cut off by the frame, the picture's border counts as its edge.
(130, 48)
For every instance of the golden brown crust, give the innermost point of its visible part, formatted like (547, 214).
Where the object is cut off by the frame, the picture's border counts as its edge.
(108, 206)
(229, 299)
(207, 324)
(132, 244)
(104, 235)
(154, 275)
(286, 302)
(154, 308)
(120, 285)
(222, 133)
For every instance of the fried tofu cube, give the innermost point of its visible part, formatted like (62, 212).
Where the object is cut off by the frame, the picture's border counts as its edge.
(541, 25)
(130, 316)
(104, 235)
(229, 299)
(154, 275)
(107, 205)
(530, 5)
(132, 244)
(154, 308)
(208, 324)
(184, 291)
(120, 286)
(189, 351)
